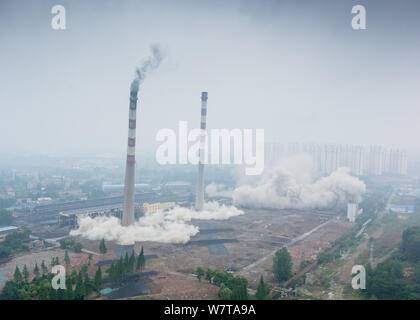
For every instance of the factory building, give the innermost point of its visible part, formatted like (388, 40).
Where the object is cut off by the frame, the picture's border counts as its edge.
(158, 206)
(120, 187)
(4, 231)
(67, 219)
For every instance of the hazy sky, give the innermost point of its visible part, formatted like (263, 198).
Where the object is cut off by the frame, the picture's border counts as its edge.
(295, 68)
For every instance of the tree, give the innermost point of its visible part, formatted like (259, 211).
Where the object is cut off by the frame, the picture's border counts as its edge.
(225, 293)
(66, 258)
(141, 261)
(17, 276)
(36, 270)
(80, 290)
(112, 271)
(417, 274)
(132, 262)
(69, 292)
(10, 291)
(84, 269)
(44, 268)
(411, 243)
(200, 273)
(88, 285)
(63, 244)
(126, 263)
(5, 252)
(387, 281)
(209, 275)
(73, 277)
(89, 258)
(102, 247)
(238, 285)
(5, 217)
(25, 273)
(282, 265)
(120, 268)
(43, 293)
(98, 279)
(262, 290)
(77, 247)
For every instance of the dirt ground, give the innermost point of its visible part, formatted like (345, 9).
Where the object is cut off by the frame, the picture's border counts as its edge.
(257, 234)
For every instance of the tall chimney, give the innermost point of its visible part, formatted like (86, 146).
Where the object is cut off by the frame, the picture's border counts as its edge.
(128, 209)
(199, 201)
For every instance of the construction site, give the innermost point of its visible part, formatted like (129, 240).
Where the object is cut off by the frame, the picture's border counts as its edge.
(243, 245)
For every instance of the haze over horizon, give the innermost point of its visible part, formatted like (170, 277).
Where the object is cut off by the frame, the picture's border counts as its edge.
(299, 71)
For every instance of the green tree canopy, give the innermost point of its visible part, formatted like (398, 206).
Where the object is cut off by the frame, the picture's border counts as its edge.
(25, 273)
(98, 279)
(102, 247)
(200, 273)
(262, 290)
(282, 265)
(17, 276)
(411, 243)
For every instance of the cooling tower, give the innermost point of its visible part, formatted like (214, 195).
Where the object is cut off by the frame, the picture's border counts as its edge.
(128, 209)
(199, 201)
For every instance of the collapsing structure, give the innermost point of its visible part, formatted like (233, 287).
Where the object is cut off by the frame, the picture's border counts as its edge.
(352, 211)
(128, 208)
(199, 201)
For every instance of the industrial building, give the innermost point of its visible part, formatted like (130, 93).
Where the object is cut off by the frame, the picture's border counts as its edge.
(157, 206)
(120, 187)
(4, 231)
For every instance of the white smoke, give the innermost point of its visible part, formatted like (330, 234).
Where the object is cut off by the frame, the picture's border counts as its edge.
(218, 190)
(169, 227)
(289, 185)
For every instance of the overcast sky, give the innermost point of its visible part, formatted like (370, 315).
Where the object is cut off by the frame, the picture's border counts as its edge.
(295, 68)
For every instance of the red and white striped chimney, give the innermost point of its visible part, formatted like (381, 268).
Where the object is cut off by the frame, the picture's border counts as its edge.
(199, 201)
(128, 209)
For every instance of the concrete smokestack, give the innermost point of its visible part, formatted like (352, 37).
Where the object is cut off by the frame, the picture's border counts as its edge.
(128, 209)
(199, 201)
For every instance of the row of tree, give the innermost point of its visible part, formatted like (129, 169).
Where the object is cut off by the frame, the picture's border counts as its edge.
(411, 244)
(231, 287)
(67, 244)
(127, 265)
(14, 242)
(387, 280)
(78, 285)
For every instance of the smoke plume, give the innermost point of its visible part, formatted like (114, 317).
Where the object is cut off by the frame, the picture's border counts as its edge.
(218, 190)
(171, 226)
(289, 185)
(149, 64)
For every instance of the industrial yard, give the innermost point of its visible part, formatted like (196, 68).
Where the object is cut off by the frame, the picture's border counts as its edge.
(243, 245)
